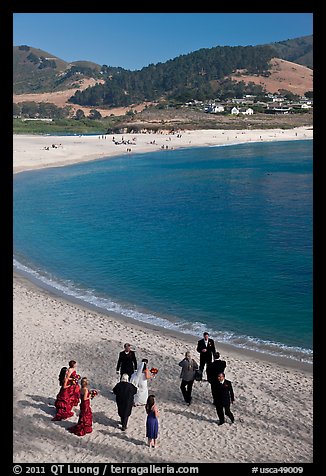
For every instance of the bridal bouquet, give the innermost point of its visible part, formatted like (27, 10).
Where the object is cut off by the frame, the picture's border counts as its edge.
(75, 379)
(93, 393)
(154, 371)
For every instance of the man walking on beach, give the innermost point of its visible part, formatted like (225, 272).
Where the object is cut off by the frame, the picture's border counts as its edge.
(127, 362)
(124, 393)
(223, 397)
(189, 367)
(214, 368)
(206, 349)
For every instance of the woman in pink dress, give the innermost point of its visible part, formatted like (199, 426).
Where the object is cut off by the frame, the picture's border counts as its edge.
(85, 420)
(74, 385)
(63, 400)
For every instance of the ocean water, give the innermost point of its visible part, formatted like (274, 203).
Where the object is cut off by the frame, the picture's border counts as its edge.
(212, 238)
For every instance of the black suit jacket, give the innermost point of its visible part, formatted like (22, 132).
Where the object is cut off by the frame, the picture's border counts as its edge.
(210, 349)
(214, 368)
(222, 392)
(127, 362)
(124, 394)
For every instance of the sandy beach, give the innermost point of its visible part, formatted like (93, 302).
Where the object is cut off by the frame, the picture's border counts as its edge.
(32, 152)
(273, 406)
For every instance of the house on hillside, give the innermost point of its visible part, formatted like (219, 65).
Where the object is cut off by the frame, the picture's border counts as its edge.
(214, 108)
(235, 111)
(305, 105)
(247, 112)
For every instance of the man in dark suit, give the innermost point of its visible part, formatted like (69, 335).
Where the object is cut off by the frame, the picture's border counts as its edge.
(127, 362)
(206, 349)
(216, 367)
(223, 397)
(124, 393)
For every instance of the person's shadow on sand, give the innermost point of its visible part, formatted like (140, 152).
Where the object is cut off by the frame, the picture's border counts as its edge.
(192, 415)
(44, 404)
(102, 419)
(125, 437)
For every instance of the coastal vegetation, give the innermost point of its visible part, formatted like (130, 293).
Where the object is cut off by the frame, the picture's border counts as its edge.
(153, 119)
(62, 126)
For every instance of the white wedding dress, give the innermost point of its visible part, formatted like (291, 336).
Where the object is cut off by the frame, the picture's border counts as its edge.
(139, 379)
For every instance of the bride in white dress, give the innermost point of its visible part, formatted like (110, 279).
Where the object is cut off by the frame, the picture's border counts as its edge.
(139, 378)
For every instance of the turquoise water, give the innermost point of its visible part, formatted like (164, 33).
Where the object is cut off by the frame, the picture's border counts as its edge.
(216, 239)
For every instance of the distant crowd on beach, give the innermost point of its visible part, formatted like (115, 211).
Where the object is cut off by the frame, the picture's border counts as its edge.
(132, 389)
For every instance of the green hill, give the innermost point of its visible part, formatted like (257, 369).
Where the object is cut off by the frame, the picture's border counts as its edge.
(35, 70)
(200, 75)
(297, 50)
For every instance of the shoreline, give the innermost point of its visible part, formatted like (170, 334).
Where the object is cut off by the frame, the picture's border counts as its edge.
(273, 396)
(30, 151)
(223, 347)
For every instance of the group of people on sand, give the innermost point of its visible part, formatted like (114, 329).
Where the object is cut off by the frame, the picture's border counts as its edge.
(222, 390)
(70, 395)
(132, 389)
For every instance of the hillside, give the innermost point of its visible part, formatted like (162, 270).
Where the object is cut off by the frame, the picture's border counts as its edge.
(37, 71)
(284, 74)
(296, 50)
(61, 98)
(204, 74)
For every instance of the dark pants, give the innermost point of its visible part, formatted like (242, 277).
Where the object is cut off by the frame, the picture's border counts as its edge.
(204, 360)
(124, 421)
(186, 388)
(221, 409)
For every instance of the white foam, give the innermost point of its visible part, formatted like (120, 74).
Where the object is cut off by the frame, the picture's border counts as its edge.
(68, 288)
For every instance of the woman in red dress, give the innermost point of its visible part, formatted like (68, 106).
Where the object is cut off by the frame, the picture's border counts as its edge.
(74, 385)
(85, 420)
(63, 400)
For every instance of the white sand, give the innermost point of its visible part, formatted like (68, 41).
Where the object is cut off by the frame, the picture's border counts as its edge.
(273, 400)
(29, 150)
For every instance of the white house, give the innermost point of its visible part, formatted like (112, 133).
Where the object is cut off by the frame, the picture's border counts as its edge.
(248, 112)
(217, 108)
(214, 108)
(305, 106)
(235, 110)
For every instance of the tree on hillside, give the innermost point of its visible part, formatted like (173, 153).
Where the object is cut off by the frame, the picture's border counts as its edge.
(309, 94)
(16, 109)
(94, 114)
(79, 114)
(288, 95)
(29, 109)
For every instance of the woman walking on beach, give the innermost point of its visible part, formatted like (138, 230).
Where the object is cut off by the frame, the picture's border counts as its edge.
(63, 401)
(151, 421)
(74, 389)
(85, 420)
(140, 378)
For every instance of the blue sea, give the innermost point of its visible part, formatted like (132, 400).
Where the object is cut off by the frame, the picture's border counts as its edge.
(211, 238)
